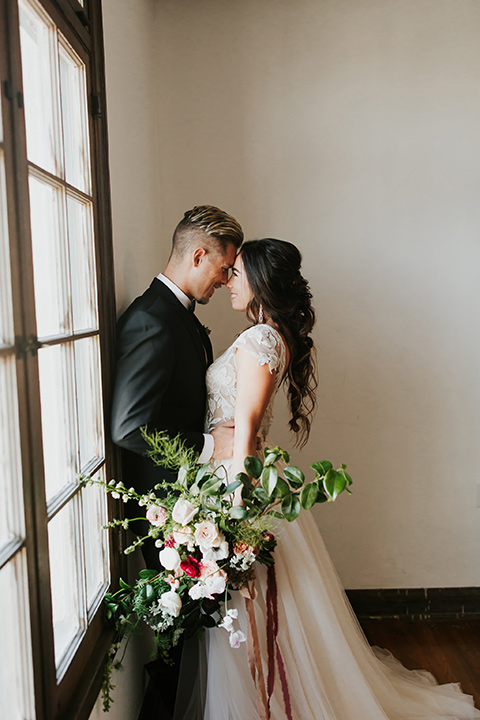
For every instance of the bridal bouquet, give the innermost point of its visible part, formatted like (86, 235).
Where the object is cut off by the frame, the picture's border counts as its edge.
(208, 546)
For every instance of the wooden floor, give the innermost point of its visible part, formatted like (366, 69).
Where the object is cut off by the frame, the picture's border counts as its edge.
(449, 649)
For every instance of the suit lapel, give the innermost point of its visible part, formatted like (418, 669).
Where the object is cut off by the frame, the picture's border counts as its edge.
(205, 339)
(188, 320)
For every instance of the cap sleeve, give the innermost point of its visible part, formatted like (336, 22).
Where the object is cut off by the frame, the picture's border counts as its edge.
(266, 344)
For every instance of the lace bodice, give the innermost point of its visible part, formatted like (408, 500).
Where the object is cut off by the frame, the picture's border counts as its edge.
(266, 344)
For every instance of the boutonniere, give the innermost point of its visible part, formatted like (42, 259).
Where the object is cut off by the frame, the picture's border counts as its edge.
(207, 329)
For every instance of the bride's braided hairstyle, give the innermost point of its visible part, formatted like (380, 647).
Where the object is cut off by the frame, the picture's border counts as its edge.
(273, 272)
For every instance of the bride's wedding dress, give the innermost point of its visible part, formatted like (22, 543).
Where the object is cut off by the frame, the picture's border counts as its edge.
(333, 673)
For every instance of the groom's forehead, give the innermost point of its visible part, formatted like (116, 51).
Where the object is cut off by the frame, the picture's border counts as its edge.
(229, 256)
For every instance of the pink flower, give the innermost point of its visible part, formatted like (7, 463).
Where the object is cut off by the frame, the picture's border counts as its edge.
(209, 568)
(172, 581)
(157, 515)
(236, 638)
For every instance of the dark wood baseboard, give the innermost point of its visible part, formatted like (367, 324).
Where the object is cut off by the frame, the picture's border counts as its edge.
(416, 603)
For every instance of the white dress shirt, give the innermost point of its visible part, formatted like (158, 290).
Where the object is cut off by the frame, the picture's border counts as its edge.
(208, 442)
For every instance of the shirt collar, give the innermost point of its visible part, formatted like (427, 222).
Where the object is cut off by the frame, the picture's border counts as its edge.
(179, 294)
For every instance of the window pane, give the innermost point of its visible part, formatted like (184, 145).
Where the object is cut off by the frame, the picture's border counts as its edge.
(55, 366)
(89, 400)
(49, 258)
(11, 515)
(82, 263)
(96, 540)
(65, 573)
(6, 318)
(16, 686)
(73, 92)
(39, 68)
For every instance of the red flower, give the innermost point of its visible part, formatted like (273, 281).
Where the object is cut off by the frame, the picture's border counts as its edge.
(191, 567)
(170, 542)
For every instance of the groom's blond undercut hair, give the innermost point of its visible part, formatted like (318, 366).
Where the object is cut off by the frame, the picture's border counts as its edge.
(221, 228)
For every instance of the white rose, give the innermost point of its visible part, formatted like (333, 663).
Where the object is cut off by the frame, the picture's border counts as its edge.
(183, 512)
(169, 558)
(207, 535)
(183, 536)
(170, 602)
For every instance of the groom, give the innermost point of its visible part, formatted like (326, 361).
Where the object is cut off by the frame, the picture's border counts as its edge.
(163, 352)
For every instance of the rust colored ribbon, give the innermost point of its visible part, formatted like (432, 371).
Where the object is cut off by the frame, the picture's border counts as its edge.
(264, 694)
(272, 643)
(254, 656)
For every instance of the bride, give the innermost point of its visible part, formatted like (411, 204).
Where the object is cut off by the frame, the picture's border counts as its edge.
(332, 672)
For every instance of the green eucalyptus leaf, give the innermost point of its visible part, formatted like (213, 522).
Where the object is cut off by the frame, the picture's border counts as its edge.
(244, 479)
(237, 512)
(291, 507)
(204, 470)
(329, 482)
(253, 465)
(232, 487)
(334, 483)
(261, 495)
(211, 486)
(282, 488)
(346, 475)
(321, 467)
(321, 497)
(340, 485)
(125, 585)
(308, 495)
(276, 514)
(269, 479)
(270, 458)
(295, 476)
(147, 574)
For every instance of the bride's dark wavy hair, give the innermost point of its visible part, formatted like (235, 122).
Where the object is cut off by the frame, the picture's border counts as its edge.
(273, 273)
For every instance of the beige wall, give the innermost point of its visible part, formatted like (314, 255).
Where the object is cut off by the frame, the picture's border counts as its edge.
(351, 127)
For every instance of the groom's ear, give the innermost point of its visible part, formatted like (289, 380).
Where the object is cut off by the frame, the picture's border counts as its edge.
(198, 255)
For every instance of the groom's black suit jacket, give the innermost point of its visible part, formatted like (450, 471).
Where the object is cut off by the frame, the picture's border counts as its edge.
(163, 352)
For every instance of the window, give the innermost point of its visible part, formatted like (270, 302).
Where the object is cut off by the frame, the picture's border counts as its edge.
(56, 335)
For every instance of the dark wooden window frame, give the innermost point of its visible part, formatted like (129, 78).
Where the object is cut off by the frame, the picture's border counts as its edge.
(73, 697)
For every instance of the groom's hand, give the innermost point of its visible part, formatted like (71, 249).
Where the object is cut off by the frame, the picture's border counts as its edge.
(223, 441)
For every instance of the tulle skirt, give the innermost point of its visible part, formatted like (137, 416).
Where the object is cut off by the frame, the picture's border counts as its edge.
(333, 673)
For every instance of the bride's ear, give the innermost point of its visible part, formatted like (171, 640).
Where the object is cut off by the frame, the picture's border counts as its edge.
(198, 255)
